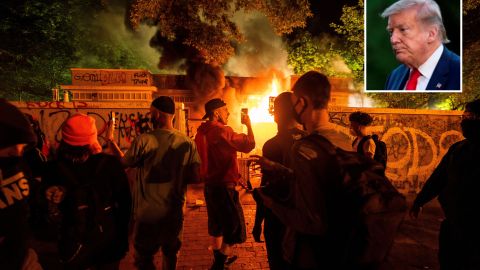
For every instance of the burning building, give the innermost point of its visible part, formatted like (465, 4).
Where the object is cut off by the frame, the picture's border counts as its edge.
(191, 91)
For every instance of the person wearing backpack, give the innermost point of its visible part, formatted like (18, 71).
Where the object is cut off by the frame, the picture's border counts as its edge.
(343, 212)
(365, 144)
(316, 235)
(91, 192)
(456, 183)
(166, 161)
(276, 149)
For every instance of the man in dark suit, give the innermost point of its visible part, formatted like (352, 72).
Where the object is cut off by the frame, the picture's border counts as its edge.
(417, 36)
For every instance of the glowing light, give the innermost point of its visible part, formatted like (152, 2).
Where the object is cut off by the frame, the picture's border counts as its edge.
(258, 104)
(445, 104)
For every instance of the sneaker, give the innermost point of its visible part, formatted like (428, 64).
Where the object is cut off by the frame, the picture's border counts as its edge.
(231, 259)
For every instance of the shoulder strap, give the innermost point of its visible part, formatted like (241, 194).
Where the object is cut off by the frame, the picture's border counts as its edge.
(361, 143)
(322, 142)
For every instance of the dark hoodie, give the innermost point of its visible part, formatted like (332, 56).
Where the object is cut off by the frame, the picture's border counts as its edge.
(217, 145)
(15, 189)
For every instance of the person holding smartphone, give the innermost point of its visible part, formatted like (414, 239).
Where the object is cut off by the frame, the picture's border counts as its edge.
(218, 145)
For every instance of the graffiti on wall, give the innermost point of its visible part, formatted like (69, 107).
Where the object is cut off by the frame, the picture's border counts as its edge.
(56, 105)
(103, 77)
(129, 122)
(416, 143)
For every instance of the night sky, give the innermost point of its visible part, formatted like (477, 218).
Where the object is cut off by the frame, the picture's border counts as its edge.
(326, 12)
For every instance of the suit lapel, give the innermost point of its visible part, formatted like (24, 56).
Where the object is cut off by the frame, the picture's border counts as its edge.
(401, 83)
(439, 78)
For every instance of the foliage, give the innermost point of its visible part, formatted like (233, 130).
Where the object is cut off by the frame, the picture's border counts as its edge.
(469, 5)
(471, 74)
(312, 53)
(41, 40)
(409, 101)
(471, 51)
(352, 28)
(203, 29)
(35, 49)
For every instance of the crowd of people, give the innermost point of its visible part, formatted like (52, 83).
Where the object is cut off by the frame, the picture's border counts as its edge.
(78, 210)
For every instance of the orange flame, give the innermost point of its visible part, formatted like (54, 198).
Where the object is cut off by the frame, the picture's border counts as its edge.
(258, 105)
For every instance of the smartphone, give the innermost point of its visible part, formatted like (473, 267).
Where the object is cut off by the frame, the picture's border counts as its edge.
(244, 111)
(243, 114)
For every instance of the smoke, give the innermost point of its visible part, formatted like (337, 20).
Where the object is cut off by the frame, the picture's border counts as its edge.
(205, 80)
(339, 65)
(262, 50)
(134, 46)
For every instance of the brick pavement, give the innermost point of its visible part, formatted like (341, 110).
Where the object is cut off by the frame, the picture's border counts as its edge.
(195, 254)
(415, 245)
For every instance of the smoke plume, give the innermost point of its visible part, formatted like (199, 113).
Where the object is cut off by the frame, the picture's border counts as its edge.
(110, 26)
(206, 81)
(262, 50)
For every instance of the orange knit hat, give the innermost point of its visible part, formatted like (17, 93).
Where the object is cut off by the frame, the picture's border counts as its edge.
(80, 130)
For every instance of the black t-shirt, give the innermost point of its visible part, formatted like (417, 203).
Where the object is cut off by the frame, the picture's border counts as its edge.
(277, 149)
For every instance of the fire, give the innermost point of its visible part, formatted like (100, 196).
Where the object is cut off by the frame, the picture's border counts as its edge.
(258, 105)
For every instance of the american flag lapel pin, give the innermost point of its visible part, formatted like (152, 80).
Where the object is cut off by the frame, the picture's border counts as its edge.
(439, 85)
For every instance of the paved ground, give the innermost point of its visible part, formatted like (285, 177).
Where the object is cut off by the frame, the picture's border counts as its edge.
(195, 253)
(415, 246)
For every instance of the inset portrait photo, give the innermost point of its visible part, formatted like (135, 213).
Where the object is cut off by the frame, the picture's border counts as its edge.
(413, 46)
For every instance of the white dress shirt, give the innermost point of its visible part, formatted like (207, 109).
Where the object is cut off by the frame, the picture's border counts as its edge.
(427, 68)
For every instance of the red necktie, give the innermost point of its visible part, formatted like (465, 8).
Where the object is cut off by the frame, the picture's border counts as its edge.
(412, 82)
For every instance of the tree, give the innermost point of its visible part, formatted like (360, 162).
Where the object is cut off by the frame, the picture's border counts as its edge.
(321, 53)
(306, 53)
(408, 101)
(352, 30)
(469, 5)
(203, 31)
(35, 48)
(41, 40)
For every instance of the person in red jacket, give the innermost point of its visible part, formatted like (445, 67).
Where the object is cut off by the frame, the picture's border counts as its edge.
(218, 145)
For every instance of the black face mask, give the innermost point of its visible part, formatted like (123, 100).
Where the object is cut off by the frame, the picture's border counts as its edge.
(298, 116)
(471, 129)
